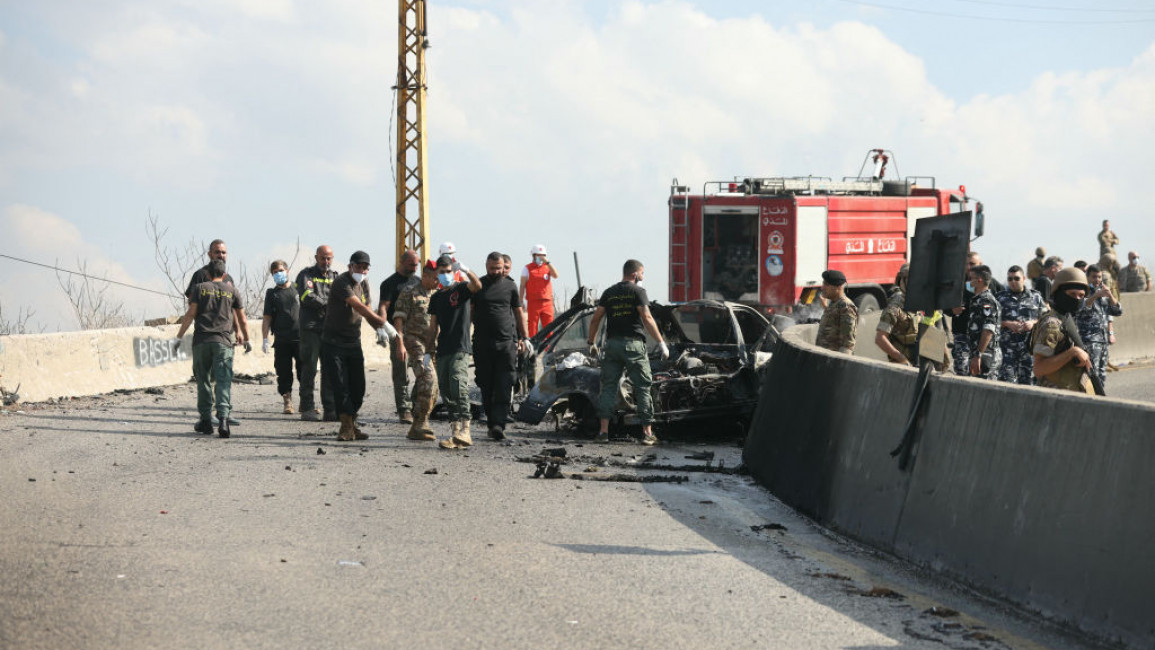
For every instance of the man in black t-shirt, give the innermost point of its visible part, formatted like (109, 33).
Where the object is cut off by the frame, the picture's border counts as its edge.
(217, 251)
(405, 277)
(215, 308)
(448, 343)
(626, 308)
(498, 336)
(282, 316)
(313, 285)
(341, 355)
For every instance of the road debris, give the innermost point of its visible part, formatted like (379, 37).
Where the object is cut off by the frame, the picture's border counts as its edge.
(320, 451)
(431, 470)
(877, 592)
(350, 563)
(943, 612)
(771, 526)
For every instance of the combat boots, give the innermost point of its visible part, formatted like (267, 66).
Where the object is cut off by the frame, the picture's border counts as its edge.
(420, 430)
(459, 437)
(357, 432)
(346, 432)
(288, 404)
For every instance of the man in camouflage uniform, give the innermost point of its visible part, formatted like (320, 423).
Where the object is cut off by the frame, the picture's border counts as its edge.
(983, 320)
(1058, 363)
(839, 322)
(1107, 239)
(1092, 319)
(411, 318)
(897, 331)
(1134, 276)
(1021, 307)
(1035, 266)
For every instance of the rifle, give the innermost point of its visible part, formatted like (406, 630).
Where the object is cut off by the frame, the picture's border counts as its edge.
(1072, 332)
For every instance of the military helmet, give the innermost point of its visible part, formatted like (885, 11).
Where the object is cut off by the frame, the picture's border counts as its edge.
(1069, 278)
(902, 276)
(1040, 252)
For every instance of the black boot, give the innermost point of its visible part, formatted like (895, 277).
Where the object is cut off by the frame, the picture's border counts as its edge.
(223, 429)
(205, 427)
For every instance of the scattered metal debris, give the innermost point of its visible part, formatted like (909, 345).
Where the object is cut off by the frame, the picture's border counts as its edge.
(770, 526)
(878, 592)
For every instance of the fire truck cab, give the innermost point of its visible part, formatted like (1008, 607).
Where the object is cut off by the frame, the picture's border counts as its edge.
(766, 241)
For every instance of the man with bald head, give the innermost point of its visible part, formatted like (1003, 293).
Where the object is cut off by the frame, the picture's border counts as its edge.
(313, 285)
(405, 278)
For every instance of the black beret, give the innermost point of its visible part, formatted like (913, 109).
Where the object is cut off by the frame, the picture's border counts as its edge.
(360, 257)
(834, 278)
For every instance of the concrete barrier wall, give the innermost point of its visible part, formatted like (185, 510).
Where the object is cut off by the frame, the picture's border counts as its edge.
(1040, 496)
(1135, 329)
(70, 364)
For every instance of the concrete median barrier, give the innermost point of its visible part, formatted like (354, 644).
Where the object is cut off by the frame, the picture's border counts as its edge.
(91, 362)
(1135, 329)
(1039, 496)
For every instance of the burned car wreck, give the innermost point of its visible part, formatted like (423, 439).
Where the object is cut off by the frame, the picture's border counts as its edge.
(716, 351)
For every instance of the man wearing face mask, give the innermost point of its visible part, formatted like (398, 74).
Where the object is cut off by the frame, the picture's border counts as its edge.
(984, 316)
(313, 285)
(1094, 320)
(449, 249)
(341, 354)
(1021, 307)
(626, 308)
(537, 289)
(282, 317)
(1058, 362)
(1134, 277)
(405, 277)
(448, 342)
(498, 336)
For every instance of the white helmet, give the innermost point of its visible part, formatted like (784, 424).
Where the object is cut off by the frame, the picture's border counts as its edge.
(538, 249)
(447, 249)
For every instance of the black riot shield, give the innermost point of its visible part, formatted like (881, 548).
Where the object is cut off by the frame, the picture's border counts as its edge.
(938, 257)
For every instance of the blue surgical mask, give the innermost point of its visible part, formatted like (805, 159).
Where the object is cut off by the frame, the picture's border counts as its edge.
(970, 287)
(280, 277)
(445, 279)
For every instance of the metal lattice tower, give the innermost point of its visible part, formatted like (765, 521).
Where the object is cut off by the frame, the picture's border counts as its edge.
(412, 194)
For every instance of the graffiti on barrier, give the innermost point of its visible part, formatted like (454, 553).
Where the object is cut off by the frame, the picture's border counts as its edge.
(155, 352)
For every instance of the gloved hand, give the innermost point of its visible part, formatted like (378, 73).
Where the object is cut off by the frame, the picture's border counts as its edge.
(463, 268)
(527, 347)
(265, 345)
(385, 333)
(593, 350)
(248, 347)
(664, 349)
(427, 362)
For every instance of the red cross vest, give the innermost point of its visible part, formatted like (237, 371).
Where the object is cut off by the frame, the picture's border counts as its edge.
(538, 286)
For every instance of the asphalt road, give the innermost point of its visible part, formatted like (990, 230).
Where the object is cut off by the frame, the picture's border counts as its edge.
(124, 529)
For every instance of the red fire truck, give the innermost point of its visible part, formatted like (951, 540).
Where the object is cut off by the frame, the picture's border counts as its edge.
(766, 241)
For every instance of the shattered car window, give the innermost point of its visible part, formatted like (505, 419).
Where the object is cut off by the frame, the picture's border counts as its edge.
(576, 335)
(706, 324)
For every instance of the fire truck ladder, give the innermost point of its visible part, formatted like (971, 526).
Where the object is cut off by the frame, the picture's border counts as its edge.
(679, 241)
(811, 185)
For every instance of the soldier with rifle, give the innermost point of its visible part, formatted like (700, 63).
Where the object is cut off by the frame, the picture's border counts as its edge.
(1060, 360)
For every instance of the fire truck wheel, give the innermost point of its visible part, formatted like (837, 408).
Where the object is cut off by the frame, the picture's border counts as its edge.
(866, 303)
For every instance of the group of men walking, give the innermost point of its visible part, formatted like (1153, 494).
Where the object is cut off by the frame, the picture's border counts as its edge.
(434, 320)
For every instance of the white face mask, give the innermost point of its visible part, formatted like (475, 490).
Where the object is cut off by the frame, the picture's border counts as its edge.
(359, 277)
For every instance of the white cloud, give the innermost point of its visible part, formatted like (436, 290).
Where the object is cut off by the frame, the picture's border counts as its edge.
(544, 124)
(37, 235)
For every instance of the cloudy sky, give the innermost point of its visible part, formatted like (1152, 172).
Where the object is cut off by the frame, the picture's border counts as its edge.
(552, 121)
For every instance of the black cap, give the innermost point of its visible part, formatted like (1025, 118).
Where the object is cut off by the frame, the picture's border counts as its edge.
(834, 278)
(360, 257)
